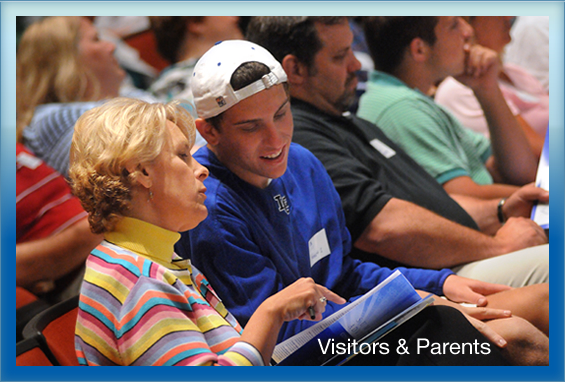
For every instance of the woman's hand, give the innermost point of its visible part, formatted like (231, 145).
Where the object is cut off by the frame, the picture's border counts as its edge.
(476, 317)
(487, 331)
(295, 301)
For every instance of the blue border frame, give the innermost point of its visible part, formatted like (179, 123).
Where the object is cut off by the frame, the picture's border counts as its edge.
(8, 11)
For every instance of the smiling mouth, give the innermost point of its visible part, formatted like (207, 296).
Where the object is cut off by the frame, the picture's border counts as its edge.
(273, 156)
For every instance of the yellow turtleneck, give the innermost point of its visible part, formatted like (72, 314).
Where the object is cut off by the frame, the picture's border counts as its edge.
(145, 239)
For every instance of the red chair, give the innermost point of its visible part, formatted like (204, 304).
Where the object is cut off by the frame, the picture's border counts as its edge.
(24, 297)
(55, 327)
(146, 44)
(30, 352)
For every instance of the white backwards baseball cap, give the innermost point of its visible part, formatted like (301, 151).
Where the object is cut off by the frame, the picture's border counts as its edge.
(210, 83)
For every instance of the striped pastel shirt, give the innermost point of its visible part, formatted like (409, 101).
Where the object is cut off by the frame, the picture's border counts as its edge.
(141, 304)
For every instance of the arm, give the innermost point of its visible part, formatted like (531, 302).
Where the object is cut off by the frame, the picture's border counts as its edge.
(55, 256)
(465, 185)
(401, 230)
(393, 228)
(243, 275)
(519, 204)
(176, 327)
(289, 304)
(452, 154)
(513, 161)
(461, 101)
(535, 140)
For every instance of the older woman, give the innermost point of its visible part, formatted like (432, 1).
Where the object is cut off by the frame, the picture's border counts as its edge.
(140, 303)
(524, 94)
(63, 69)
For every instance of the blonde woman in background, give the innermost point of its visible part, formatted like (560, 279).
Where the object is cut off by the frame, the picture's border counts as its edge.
(62, 70)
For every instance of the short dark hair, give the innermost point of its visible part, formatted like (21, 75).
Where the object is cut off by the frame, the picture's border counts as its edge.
(296, 35)
(170, 32)
(246, 74)
(389, 36)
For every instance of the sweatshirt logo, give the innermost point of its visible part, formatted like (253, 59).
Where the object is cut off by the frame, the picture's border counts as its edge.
(282, 203)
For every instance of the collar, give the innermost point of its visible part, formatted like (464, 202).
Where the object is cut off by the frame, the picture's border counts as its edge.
(308, 107)
(144, 238)
(388, 79)
(189, 63)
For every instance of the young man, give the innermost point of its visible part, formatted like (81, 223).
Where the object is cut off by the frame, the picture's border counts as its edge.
(274, 215)
(397, 214)
(412, 55)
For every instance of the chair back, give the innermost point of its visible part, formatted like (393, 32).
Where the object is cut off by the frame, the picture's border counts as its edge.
(28, 306)
(30, 352)
(56, 327)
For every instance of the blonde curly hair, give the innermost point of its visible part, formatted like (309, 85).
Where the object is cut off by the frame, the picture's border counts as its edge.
(107, 140)
(48, 68)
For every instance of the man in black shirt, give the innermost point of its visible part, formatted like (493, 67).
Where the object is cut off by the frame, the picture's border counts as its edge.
(397, 214)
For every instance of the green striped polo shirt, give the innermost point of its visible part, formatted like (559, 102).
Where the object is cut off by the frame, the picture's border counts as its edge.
(428, 133)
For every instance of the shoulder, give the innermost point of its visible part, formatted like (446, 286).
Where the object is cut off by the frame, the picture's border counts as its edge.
(384, 100)
(112, 259)
(60, 116)
(301, 159)
(312, 125)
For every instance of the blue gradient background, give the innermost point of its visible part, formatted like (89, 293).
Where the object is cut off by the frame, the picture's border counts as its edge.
(7, 175)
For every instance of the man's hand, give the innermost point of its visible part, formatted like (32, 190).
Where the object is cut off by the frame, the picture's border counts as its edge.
(481, 68)
(520, 203)
(520, 233)
(462, 289)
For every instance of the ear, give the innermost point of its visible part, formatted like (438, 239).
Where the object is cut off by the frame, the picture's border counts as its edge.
(143, 174)
(295, 70)
(419, 50)
(208, 132)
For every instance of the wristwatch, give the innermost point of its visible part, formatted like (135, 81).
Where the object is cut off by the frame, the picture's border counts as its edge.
(500, 213)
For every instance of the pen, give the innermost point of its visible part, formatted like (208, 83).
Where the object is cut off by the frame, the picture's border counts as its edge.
(311, 311)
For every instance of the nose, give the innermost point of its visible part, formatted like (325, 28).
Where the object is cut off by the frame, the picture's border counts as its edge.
(111, 46)
(355, 64)
(273, 136)
(200, 171)
(466, 29)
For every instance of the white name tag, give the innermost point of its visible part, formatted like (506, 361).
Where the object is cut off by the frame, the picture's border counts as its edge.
(386, 151)
(319, 247)
(29, 161)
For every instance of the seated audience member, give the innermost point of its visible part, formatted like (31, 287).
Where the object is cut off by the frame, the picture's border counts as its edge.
(411, 55)
(530, 46)
(62, 70)
(275, 215)
(53, 237)
(523, 93)
(120, 31)
(397, 214)
(182, 40)
(361, 52)
(132, 170)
